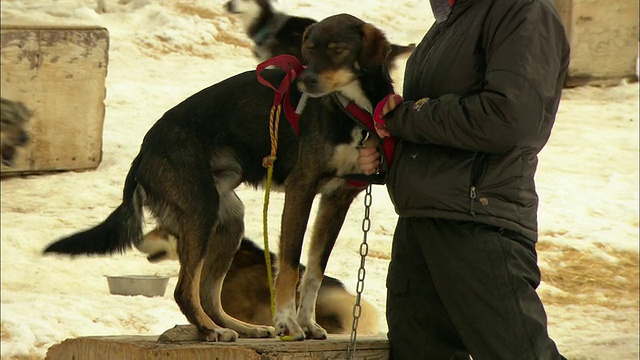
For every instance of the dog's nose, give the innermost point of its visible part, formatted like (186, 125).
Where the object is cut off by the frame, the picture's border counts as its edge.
(228, 6)
(310, 80)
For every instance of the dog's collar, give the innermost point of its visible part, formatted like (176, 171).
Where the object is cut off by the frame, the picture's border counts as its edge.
(262, 34)
(270, 27)
(361, 116)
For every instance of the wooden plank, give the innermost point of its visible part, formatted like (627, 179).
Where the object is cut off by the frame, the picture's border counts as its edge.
(59, 73)
(147, 347)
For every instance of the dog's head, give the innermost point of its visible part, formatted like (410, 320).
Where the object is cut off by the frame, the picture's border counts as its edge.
(337, 50)
(159, 245)
(248, 10)
(14, 117)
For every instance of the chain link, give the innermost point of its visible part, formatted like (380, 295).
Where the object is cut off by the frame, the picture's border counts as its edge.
(364, 250)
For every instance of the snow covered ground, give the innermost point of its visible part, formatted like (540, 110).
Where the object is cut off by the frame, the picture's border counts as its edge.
(162, 51)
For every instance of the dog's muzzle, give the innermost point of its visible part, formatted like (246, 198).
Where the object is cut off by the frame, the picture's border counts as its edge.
(310, 83)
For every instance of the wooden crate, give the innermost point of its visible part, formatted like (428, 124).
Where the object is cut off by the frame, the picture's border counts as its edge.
(147, 348)
(59, 73)
(604, 40)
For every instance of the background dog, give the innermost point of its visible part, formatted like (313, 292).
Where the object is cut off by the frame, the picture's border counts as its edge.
(245, 293)
(275, 33)
(198, 152)
(14, 116)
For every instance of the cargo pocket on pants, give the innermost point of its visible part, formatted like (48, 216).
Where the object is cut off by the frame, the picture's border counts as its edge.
(398, 307)
(397, 283)
(408, 316)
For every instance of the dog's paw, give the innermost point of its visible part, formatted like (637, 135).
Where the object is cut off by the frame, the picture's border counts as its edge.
(218, 335)
(288, 329)
(260, 331)
(313, 330)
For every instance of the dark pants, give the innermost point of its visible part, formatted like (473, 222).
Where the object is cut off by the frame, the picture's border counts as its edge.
(459, 288)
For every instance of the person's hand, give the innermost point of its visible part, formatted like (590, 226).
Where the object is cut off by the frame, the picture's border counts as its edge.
(382, 108)
(369, 160)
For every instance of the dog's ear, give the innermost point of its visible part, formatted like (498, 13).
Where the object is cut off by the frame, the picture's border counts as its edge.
(375, 46)
(305, 36)
(306, 33)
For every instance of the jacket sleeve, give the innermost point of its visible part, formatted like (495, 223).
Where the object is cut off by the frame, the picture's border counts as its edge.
(525, 48)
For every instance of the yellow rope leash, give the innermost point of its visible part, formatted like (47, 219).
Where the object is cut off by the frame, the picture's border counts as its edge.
(274, 123)
(292, 68)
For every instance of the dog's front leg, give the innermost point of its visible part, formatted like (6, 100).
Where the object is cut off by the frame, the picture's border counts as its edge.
(332, 211)
(295, 216)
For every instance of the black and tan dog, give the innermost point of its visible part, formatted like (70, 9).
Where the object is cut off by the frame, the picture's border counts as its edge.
(275, 33)
(198, 152)
(14, 116)
(245, 292)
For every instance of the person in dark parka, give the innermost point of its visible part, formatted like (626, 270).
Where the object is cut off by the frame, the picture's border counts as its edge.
(480, 96)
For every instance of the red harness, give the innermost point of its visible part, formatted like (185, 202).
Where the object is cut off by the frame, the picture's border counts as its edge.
(293, 68)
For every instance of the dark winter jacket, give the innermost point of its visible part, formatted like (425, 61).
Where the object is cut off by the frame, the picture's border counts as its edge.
(482, 90)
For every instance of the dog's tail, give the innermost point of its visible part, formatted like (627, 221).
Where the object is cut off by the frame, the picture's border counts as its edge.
(117, 233)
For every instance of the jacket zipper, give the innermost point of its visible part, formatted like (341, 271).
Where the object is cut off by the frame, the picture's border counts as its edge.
(477, 174)
(472, 195)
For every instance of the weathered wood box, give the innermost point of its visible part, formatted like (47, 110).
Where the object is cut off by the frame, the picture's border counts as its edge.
(604, 40)
(59, 73)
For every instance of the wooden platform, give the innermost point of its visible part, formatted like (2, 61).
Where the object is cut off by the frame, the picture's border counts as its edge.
(147, 347)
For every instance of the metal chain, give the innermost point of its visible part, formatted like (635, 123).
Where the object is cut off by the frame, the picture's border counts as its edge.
(364, 250)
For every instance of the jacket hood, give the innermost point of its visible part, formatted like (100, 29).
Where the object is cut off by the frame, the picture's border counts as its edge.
(441, 9)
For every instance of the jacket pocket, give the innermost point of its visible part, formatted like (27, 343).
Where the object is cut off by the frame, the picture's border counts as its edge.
(428, 177)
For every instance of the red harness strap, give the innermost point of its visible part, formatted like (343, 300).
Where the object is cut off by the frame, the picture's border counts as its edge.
(292, 68)
(388, 143)
(365, 120)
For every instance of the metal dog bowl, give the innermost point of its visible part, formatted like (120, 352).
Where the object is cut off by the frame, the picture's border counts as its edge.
(147, 285)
